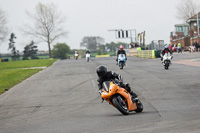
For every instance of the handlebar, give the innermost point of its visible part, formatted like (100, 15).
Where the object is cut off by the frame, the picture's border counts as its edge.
(116, 81)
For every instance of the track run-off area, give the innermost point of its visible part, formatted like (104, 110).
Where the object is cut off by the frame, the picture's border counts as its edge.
(64, 98)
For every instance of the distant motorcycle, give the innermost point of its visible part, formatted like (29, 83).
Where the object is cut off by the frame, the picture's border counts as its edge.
(87, 57)
(121, 61)
(167, 60)
(191, 49)
(76, 56)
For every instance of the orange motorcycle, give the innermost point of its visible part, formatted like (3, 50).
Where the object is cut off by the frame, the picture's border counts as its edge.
(120, 98)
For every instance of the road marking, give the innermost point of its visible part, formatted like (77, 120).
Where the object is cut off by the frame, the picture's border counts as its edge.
(195, 59)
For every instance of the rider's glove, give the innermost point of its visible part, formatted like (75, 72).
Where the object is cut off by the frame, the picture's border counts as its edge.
(120, 82)
(100, 92)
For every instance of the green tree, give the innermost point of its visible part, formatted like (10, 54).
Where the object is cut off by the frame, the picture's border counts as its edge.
(15, 53)
(112, 46)
(60, 50)
(102, 48)
(30, 51)
(99, 52)
(92, 42)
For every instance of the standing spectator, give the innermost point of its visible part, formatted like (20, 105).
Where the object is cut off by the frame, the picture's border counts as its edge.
(170, 47)
(131, 44)
(196, 46)
(179, 44)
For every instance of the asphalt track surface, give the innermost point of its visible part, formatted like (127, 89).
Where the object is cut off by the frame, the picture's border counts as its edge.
(63, 98)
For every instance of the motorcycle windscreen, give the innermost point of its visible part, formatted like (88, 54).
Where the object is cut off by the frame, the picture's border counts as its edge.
(121, 56)
(106, 85)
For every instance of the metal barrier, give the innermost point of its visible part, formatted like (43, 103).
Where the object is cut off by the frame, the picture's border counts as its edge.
(146, 54)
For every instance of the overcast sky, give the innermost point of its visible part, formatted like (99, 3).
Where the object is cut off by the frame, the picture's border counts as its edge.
(95, 17)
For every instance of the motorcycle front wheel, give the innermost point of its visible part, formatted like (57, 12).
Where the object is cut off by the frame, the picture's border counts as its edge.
(120, 105)
(139, 107)
(121, 65)
(166, 66)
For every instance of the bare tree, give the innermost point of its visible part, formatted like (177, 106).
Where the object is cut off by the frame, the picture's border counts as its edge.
(187, 8)
(3, 26)
(48, 24)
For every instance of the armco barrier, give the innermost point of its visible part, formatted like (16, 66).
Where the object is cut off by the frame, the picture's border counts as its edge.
(102, 55)
(146, 54)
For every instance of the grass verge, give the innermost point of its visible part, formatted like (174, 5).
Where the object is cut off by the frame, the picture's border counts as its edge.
(10, 74)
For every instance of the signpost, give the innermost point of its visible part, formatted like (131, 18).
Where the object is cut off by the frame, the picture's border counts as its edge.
(123, 34)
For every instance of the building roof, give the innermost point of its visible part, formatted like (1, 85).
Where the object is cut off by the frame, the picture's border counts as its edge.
(181, 25)
(193, 18)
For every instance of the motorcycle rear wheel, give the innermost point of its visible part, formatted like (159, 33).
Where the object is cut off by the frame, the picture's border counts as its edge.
(122, 108)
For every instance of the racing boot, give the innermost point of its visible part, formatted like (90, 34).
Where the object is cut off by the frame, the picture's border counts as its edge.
(161, 59)
(134, 96)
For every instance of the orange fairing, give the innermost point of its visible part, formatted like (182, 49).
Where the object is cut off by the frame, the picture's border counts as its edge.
(113, 90)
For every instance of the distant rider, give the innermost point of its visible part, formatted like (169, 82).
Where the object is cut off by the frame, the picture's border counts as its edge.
(179, 47)
(165, 50)
(121, 51)
(104, 75)
(87, 52)
(75, 52)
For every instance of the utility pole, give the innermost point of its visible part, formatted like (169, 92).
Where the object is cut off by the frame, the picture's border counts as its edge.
(198, 23)
(198, 28)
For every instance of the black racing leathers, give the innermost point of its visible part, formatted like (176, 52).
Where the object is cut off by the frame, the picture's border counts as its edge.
(163, 52)
(166, 50)
(112, 75)
(121, 52)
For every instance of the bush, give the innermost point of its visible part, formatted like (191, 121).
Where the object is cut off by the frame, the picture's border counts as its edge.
(60, 50)
(99, 52)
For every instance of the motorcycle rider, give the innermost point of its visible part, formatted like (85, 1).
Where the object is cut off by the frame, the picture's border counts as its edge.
(76, 54)
(165, 50)
(120, 51)
(104, 75)
(87, 52)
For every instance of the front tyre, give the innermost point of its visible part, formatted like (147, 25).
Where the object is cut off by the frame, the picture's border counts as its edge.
(121, 65)
(120, 105)
(166, 65)
(139, 107)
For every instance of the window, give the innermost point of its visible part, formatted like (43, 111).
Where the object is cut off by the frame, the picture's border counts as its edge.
(179, 29)
(185, 30)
